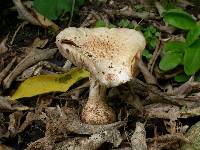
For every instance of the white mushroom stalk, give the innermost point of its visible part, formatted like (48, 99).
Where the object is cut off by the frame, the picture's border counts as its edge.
(96, 110)
(109, 55)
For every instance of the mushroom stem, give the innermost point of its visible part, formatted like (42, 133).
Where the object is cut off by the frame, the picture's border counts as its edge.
(96, 110)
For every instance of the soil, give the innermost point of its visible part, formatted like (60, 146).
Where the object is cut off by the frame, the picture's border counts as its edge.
(52, 120)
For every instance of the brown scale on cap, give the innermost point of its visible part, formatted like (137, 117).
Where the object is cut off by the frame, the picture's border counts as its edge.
(100, 48)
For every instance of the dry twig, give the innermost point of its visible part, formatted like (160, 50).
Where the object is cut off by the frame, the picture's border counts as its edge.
(186, 88)
(15, 34)
(32, 16)
(6, 70)
(156, 53)
(3, 47)
(129, 12)
(33, 57)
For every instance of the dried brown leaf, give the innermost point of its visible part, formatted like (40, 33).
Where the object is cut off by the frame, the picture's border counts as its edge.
(3, 47)
(39, 43)
(94, 141)
(4, 147)
(5, 103)
(14, 122)
(33, 16)
(33, 57)
(138, 139)
(165, 111)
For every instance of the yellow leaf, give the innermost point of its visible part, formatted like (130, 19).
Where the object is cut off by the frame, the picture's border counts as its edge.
(49, 83)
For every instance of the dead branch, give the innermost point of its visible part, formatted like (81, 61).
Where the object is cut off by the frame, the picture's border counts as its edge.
(156, 53)
(33, 57)
(186, 88)
(6, 70)
(24, 14)
(149, 78)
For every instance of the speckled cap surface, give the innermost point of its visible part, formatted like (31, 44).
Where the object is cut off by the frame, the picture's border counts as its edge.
(108, 54)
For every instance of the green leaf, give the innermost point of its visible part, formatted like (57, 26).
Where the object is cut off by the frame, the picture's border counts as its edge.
(152, 29)
(147, 34)
(147, 54)
(153, 41)
(197, 76)
(192, 58)
(170, 61)
(157, 34)
(100, 23)
(168, 4)
(63, 6)
(181, 77)
(52, 9)
(41, 7)
(139, 7)
(179, 19)
(49, 83)
(174, 46)
(193, 35)
(124, 23)
(80, 2)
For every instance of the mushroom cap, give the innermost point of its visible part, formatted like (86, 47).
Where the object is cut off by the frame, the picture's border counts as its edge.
(108, 54)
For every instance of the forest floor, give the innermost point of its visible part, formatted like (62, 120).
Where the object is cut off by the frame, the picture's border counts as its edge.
(154, 111)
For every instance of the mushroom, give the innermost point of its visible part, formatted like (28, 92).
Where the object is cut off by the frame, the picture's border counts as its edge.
(110, 57)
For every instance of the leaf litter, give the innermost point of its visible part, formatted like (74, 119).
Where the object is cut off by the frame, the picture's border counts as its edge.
(154, 111)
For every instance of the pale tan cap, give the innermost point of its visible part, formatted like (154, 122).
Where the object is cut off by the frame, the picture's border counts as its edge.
(108, 54)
